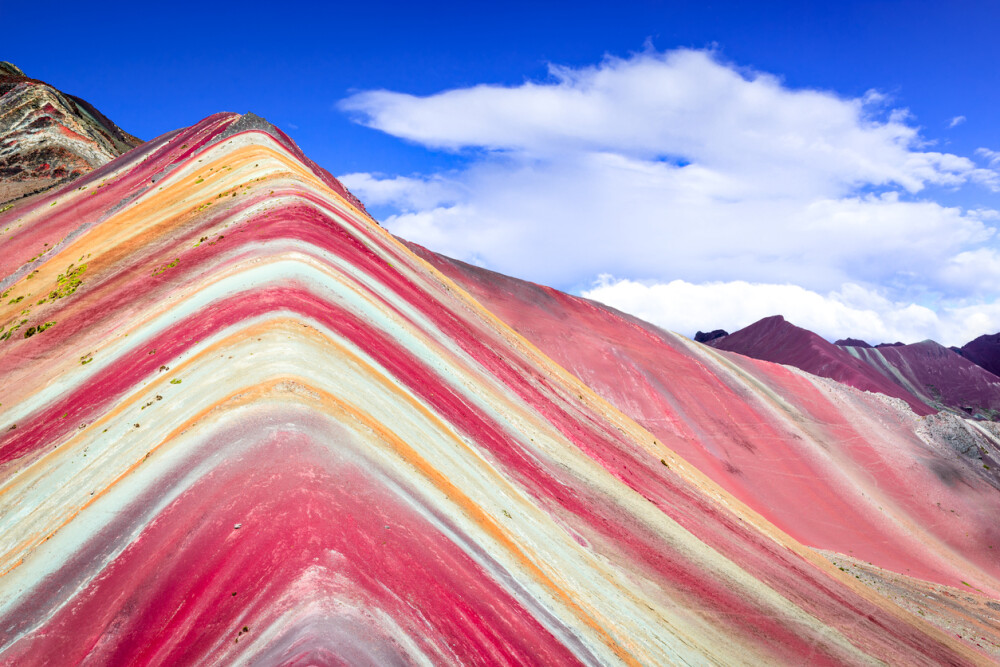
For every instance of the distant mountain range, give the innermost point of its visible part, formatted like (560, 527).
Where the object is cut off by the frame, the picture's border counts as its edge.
(928, 376)
(241, 423)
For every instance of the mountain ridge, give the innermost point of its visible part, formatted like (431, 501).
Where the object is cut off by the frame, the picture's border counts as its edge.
(777, 340)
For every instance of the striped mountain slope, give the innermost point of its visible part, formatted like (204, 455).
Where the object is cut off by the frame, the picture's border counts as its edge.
(240, 423)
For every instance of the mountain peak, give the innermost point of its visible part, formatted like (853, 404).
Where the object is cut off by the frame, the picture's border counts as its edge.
(703, 337)
(852, 342)
(777, 340)
(760, 337)
(48, 137)
(428, 444)
(10, 69)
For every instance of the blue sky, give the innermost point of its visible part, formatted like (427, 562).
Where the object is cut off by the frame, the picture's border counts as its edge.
(834, 205)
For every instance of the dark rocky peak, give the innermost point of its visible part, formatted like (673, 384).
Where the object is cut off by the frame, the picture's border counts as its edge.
(852, 342)
(11, 70)
(702, 337)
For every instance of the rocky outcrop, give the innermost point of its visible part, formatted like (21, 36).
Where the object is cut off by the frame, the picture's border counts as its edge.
(851, 342)
(702, 337)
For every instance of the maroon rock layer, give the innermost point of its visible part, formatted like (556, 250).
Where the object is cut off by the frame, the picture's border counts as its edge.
(984, 352)
(937, 376)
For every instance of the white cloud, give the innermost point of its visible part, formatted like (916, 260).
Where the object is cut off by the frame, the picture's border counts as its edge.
(683, 103)
(977, 270)
(991, 157)
(956, 121)
(563, 222)
(853, 311)
(402, 192)
(676, 166)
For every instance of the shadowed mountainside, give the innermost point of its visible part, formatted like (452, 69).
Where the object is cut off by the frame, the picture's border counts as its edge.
(984, 352)
(937, 376)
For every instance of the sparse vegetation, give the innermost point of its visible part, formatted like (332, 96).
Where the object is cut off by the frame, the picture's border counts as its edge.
(164, 267)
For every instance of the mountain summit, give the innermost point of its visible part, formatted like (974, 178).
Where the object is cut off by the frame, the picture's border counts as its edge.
(11, 70)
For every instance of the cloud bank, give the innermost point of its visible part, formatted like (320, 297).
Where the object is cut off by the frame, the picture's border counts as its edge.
(677, 169)
(852, 311)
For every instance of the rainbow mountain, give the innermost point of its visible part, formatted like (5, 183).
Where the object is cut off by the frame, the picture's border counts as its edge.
(241, 423)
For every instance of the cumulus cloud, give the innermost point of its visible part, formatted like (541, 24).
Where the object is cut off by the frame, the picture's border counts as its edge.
(676, 166)
(956, 121)
(853, 311)
(403, 192)
(682, 104)
(977, 270)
